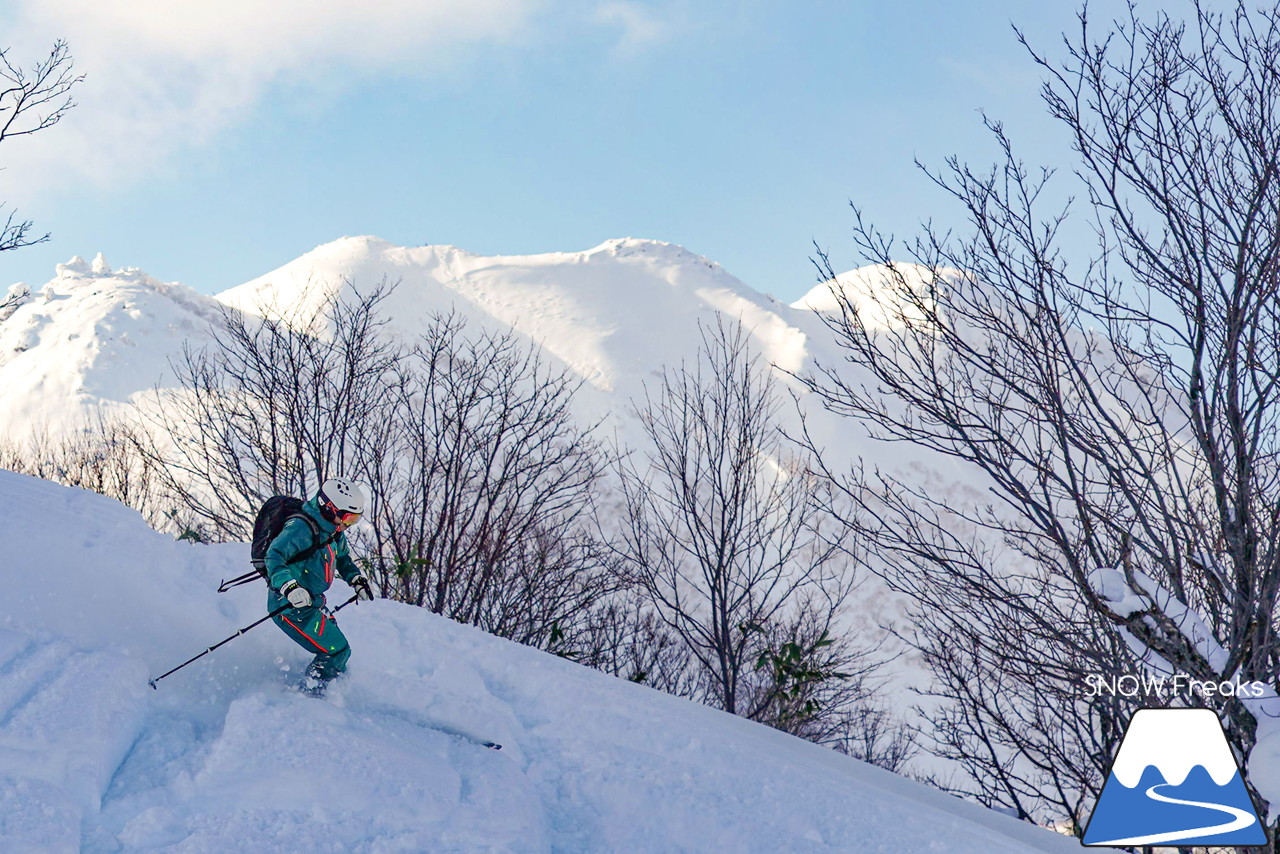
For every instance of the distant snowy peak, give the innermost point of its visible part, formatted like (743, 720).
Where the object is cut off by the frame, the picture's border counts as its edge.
(611, 313)
(655, 251)
(364, 261)
(91, 336)
(616, 315)
(77, 267)
(873, 292)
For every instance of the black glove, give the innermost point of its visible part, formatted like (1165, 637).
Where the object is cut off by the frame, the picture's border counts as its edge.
(363, 591)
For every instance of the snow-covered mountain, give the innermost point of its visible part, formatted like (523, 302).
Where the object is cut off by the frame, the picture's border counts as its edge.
(606, 312)
(614, 315)
(92, 337)
(225, 758)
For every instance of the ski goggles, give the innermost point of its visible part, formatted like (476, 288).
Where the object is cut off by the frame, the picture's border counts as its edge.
(344, 518)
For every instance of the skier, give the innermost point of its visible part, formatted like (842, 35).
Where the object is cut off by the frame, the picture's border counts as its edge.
(302, 584)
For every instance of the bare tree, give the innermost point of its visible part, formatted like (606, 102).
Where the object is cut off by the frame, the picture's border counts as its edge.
(489, 481)
(32, 101)
(624, 637)
(724, 533)
(1121, 412)
(275, 406)
(101, 455)
(875, 735)
(482, 481)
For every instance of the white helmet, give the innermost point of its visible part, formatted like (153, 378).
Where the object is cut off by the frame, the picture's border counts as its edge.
(341, 501)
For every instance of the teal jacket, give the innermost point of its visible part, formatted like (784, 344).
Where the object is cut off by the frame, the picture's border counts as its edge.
(316, 572)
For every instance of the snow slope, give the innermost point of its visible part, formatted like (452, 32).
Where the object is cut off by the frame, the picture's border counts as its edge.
(224, 758)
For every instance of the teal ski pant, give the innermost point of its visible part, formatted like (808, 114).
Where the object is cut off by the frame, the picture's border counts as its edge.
(315, 631)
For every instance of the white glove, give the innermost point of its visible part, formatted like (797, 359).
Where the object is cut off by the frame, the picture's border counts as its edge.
(296, 594)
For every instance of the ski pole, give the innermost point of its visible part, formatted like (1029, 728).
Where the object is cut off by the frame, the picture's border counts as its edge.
(247, 578)
(276, 612)
(345, 604)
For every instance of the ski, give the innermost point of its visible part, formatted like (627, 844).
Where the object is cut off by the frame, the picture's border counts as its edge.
(441, 728)
(467, 737)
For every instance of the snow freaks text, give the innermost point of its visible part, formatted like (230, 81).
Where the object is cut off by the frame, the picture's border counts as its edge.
(1134, 685)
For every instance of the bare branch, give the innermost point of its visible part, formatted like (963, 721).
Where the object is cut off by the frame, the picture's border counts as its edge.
(31, 101)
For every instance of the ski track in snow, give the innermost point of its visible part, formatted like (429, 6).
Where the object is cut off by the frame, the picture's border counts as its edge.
(179, 791)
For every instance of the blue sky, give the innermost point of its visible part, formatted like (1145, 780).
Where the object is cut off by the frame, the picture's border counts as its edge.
(211, 152)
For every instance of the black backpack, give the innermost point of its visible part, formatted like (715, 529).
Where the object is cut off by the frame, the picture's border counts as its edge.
(272, 516)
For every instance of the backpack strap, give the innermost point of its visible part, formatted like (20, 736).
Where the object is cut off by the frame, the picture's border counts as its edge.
(314, 547)
(260, 563)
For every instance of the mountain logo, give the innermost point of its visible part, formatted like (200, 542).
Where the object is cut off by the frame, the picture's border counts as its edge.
(1174, 781)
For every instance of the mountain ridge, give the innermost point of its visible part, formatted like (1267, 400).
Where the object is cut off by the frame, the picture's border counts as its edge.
(615, 315)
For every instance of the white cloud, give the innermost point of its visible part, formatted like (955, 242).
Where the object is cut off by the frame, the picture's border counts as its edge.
(165, 74)
(641, 26)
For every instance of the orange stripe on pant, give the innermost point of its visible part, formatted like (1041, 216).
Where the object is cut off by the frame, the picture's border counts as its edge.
(304, 634)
